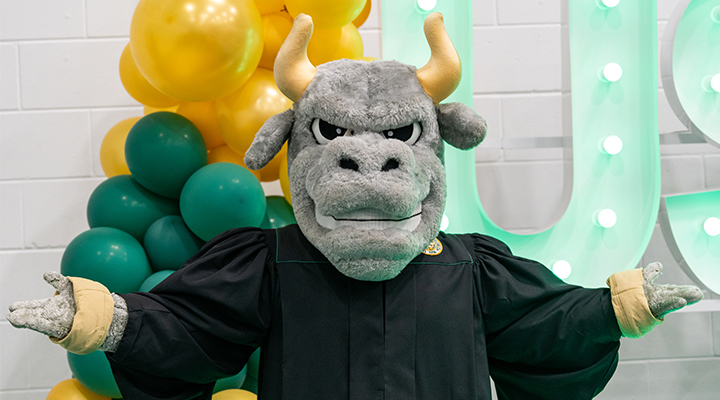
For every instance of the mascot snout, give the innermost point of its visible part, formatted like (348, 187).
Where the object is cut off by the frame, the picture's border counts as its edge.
(367, 173)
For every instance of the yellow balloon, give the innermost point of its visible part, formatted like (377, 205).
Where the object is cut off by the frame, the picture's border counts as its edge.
(334, 44)
(368, 59)
(241, 114)
(234, 394)
(149, 110)
(71, 389)
(202, 115)
(285, 181)
(363, 16)
(271, 172)
(112, 149)
(276, 28)
(225, 154)
(138, 87)
(269, 6)
(327, 14)
(196, 50)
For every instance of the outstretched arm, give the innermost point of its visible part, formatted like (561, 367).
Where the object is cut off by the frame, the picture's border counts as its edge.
(640, 305)
(56, 315)
(200, 324)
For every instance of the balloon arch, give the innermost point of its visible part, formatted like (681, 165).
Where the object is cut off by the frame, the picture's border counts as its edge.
(176, 177)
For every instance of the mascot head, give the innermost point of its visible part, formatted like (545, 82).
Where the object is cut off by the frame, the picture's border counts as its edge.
(365, 150)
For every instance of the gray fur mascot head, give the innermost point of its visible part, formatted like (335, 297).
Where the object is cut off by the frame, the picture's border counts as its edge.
(365, 150)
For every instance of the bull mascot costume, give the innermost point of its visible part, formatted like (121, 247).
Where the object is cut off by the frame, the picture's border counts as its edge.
(364, 298)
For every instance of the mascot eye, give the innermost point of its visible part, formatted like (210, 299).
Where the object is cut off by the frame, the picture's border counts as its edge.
(408, 133)
(325, 132)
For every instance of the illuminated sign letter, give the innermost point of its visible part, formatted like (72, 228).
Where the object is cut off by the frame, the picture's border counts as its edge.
(616, 185)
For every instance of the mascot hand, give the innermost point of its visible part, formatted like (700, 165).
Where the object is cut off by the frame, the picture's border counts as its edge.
(664, 299)
(53, 316)
(100, 316)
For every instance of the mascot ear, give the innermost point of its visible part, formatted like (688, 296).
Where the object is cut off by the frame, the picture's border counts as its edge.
(460, 126)
(269, 140)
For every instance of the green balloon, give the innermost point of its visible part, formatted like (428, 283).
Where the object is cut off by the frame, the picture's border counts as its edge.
(154, 279)
(234, 382)
(219, 197)
(278, 213)
(121, 202)
(253, 365)
(169, 243)
(93, 371)
(163, 150)
(109, 256)
(250, 384)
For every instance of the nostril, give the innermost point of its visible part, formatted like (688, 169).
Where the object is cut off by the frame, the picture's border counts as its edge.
(347, 163)
(391, 164)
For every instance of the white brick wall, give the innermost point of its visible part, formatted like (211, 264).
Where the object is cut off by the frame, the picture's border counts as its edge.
(45, 144)
(60, 92)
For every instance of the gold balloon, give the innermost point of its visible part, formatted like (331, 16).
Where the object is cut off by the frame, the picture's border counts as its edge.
(225, 154)
(112, 149)
(269, 6)
(196, 50)
(138, 87)
(241, 114)
(234, 394)
(71, 389)
(363, 16)
(285, 181)
(276, 28)
(149, 110)
(327, 14)
(334, 44)
(202, 115)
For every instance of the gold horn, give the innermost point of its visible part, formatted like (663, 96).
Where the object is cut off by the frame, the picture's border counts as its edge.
(293, 70)
(441, 75)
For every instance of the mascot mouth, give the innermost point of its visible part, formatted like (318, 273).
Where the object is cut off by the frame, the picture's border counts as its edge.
(370, 219)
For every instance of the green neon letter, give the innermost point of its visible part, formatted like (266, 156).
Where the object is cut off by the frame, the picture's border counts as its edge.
(627, 183)
(690, 61)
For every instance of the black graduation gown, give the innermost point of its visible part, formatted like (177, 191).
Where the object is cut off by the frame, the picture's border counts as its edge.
(436, 331)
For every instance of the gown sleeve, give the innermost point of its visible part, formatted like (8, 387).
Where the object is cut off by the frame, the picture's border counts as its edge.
(545, 339)
(200, 324)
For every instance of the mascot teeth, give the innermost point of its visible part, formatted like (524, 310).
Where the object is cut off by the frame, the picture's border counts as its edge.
(371, 219)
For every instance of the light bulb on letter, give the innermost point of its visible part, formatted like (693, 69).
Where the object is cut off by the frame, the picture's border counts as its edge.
(715, 83)
(444, 223)
(426, 5)
(612, 72)
(606, 218)
(612, 145)
(712, 226)
(562, 269)
(609, 3)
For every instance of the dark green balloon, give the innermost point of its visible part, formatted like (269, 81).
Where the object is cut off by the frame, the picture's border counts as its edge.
(219, 197)
(109, 256)
(163, 150)
(253, 365)
(278, 213)
(250, 384)
(121, 202)
(169, 243)
(93, 371)
(233, 382)
(154, 279)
